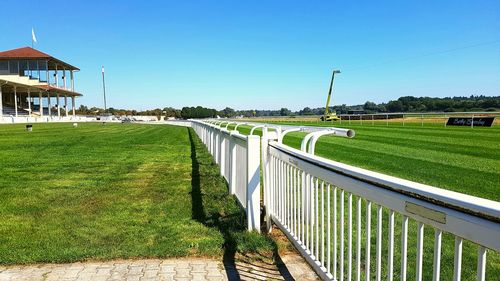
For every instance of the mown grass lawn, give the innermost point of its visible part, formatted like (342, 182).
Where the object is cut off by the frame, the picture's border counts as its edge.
(460, 159)
(456, 158)
(114, 191)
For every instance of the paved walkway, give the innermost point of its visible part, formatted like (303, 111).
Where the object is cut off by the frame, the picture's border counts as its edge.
(293, 268)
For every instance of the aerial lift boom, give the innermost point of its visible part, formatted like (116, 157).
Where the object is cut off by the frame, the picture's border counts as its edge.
(330, 116)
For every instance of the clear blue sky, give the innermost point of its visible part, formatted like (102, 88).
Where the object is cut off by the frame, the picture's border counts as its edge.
(264, 54)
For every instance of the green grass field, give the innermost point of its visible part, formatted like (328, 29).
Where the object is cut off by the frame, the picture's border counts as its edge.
(460, 159)
(129, 191)
(114, 191)
(455, 158)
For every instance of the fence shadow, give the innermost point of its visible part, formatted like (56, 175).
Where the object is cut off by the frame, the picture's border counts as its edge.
(238, 267)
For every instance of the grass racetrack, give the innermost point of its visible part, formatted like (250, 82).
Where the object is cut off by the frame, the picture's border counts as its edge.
(456, 158)
(114, 191)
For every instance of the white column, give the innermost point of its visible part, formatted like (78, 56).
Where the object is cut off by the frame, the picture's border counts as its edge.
(57, 77)
(15, 99)
(1, 103)
(72, 81)
(66, 105)
(64, 77)
(40, 103)
(73, 103)
(47, 75)
(49, 105)
(29, 102)
(38, 69)
(58, 107)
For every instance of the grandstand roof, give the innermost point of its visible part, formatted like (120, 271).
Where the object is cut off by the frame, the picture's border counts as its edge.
(29, 53)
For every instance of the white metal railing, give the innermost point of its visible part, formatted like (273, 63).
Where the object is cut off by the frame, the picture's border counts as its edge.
(330, 210)
(345, 220)
(180, 123)
(238, 157)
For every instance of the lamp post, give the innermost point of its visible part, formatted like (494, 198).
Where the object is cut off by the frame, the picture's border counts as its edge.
(104, 88)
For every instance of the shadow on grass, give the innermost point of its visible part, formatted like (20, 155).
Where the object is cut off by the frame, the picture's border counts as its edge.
(250, 263)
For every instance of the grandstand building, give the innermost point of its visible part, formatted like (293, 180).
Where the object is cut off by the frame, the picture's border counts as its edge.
(35, 86)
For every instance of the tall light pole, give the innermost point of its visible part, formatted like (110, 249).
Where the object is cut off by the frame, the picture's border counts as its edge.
(104, 88)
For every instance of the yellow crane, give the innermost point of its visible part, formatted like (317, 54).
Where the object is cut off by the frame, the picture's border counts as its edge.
(330, 116)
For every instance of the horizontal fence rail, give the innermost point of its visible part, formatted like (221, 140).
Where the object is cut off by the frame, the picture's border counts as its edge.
(238, 157)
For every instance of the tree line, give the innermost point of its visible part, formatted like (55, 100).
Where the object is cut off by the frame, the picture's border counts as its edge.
(94, 111)
(402, 104)
(185, 112)
(427, 104)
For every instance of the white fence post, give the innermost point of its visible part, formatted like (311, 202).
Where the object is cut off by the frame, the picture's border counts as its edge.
(253, 183)
(232, 164)
(217, 146)
(214, 143)
(265, 176)
(210, 142)
(222, 153)
(266, 137)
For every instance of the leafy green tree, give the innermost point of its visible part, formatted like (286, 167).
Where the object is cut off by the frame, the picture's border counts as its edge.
(285, 112)
(370, 107)
(227, 112)
(172, 112)
(306, 111)
(395, 106)
(197, 112)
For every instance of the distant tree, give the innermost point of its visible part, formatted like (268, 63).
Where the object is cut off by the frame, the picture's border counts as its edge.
(82, 110)
(306, 111)
(172, 112)
(197, 112)
(227, 112)
(395, 106)
(285, 112)
(370, 107)
(342, 109)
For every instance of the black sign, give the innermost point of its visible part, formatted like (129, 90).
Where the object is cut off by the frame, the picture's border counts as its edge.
(466, 121)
